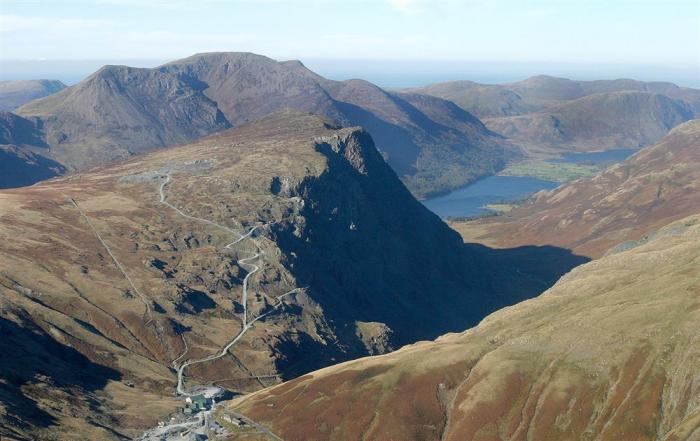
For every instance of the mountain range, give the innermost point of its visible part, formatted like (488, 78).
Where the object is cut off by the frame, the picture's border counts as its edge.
(233, 223)
(542, 92)
(547, 115)
(432, 144)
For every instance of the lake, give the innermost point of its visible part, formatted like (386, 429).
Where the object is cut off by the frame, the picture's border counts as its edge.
(602, 157)
(470, 200)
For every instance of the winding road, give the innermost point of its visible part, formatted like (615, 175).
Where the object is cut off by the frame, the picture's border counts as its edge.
(252, 267)
(248, 264)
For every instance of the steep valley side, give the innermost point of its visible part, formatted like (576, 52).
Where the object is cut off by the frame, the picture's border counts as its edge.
(610, 352)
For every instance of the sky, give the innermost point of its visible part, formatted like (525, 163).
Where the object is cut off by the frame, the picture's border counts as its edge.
(401, 41)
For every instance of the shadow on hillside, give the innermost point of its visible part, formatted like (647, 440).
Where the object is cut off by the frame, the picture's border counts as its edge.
(371, 253)
(387, 136)
(20, 169)
(516, 274)
(31, 357)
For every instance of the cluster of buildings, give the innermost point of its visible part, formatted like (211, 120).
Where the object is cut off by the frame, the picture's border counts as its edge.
(197, 403)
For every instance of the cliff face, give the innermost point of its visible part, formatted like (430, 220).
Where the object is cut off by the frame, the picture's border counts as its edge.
(610, 352)
(289, 223)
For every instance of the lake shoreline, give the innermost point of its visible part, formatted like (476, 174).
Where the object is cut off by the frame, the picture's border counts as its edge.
(520, 181)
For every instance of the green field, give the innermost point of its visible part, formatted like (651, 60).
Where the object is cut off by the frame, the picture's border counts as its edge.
(500, 208)
(552, 171)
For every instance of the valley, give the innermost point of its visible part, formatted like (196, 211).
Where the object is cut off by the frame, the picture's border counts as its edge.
(627, 201)
(242, 286)
(514, 185)
(202, 242)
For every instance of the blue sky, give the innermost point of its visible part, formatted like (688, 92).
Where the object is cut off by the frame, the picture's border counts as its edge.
(658, 35)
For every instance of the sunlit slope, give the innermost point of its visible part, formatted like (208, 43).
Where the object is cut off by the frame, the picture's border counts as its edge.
(611, 352)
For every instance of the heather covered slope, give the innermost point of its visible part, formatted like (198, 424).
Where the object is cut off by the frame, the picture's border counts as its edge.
(658, 185)
(342, 272)
(16, 93)
(611, 352)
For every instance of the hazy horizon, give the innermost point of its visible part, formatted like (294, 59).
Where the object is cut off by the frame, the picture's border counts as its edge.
(392, 42)
(385, 73)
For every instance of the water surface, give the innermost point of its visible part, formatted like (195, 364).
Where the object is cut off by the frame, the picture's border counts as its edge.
(470, 200)
(602, 157)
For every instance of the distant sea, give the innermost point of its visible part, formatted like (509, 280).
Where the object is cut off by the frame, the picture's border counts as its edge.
(385, 73)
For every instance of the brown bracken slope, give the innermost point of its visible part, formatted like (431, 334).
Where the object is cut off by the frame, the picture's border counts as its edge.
(363, 268)
(611, 352)
(657, 185)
